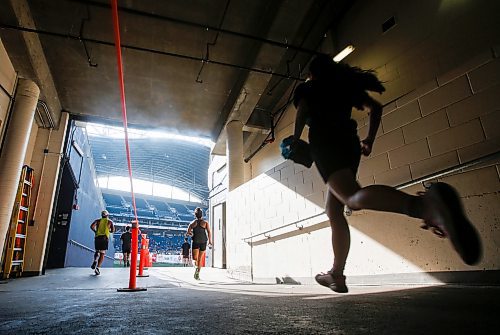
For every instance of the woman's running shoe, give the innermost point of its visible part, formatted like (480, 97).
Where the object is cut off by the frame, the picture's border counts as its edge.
(333, 282)
(444, 214)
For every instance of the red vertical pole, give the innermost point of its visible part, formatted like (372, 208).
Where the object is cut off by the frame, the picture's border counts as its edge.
(135, 223)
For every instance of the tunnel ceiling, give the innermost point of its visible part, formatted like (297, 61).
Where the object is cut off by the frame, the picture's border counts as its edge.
(189, 66)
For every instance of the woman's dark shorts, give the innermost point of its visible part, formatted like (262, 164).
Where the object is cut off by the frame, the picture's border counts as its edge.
(126, 248)
(333, 152)
(101, 243)
(201, 246)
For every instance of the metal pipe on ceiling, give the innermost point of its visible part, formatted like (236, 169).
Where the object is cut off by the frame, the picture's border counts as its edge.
(197, 25)
(44, 114)
(141, 49)
(209, 44)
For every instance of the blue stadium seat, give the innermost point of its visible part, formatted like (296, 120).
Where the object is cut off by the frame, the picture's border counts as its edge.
(117, 210)
(145, 213)
(159, 205)
(112, 200)
(139, 202)
(180, 208)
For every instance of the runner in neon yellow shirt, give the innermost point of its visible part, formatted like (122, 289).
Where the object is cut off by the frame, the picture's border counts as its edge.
(102, 228)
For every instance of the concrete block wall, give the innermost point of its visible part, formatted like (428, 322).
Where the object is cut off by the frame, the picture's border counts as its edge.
(440, 111)
(449, 123)
(430, 39)
(276, 229)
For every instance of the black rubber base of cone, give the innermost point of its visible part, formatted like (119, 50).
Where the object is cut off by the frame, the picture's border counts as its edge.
(126, 289)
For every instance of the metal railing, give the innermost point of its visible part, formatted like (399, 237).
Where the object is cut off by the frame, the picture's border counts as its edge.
(295, 223)
(86, 248)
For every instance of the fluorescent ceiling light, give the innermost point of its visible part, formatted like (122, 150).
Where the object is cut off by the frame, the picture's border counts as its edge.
(344, 53)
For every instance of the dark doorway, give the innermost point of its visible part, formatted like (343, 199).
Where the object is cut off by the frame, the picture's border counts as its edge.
(60, 228)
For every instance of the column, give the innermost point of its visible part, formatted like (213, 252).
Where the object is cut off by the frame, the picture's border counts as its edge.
(46, 166)
(234, 153)
(14, 150)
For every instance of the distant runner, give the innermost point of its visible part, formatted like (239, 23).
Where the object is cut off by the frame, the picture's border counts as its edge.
(102, 228)
(200, 231)
(126, 239)
(186, 247)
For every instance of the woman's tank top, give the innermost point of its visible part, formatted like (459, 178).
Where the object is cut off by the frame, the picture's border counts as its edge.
(199, 233)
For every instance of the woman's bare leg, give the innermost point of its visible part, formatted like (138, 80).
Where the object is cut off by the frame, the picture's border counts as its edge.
(195, 256)
(341, 237)
(440, 208)
(344, 187)
(200, 259)
(101, 259)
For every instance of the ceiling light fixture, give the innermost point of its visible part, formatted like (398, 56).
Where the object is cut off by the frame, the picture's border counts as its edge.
(344, 53)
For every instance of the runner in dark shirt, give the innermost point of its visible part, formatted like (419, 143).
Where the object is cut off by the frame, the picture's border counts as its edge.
(126, 239)
(186, 247)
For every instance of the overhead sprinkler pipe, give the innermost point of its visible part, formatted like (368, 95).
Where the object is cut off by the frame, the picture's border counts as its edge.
(218, 29)
(148, 50)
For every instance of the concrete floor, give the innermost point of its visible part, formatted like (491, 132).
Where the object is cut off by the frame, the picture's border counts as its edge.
(74, 301)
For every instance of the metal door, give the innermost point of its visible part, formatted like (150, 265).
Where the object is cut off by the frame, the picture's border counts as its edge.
(219, 236)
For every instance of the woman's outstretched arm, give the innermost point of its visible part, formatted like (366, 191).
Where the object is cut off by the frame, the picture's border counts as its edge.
(300, 119)
(375, 115)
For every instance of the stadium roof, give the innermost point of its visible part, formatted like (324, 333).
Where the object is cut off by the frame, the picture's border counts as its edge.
(173, 162)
